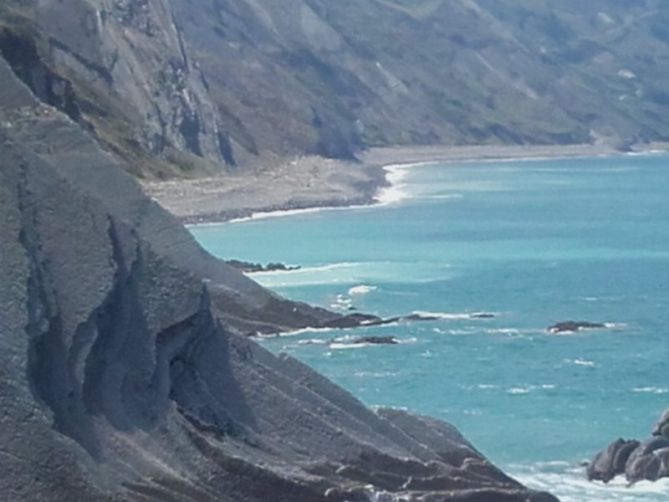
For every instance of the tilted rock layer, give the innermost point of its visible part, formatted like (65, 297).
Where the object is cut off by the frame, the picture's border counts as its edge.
(123, 371)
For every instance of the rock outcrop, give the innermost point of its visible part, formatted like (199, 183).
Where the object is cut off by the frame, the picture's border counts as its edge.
(574, 326)
(645, 460)
(125, 375)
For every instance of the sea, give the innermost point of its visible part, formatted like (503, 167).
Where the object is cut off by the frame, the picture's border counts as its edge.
(530, 242)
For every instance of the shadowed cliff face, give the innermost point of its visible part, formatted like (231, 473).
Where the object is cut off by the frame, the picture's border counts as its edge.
(122, 373)
(186, 87)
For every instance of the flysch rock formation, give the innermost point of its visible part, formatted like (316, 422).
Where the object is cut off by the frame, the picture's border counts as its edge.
(124, 373)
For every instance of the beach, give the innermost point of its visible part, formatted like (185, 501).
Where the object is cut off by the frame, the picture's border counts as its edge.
(311, 183)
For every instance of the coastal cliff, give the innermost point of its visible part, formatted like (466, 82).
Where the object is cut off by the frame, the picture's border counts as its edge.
(184, 88)
(125, 375)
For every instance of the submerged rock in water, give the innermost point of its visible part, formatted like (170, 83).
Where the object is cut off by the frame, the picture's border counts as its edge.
(376, 340)
(250, 267)
(574, 326)
(638, 461)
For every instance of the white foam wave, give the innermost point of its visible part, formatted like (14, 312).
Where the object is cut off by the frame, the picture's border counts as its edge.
(313, 341)
(376, 374)
(361, 290)
(443, 196)
(298, 332)
(527, 389)
(581, 362)
(651, 390)
(450, 316)
(346, 346)
(396, 191)
(569, 484)
(519, 390)
(307, 270)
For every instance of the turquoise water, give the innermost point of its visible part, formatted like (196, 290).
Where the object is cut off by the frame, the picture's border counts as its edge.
(534, 242)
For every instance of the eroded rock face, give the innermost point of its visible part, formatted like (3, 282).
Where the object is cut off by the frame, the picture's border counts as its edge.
(638, 461)
(124, 371)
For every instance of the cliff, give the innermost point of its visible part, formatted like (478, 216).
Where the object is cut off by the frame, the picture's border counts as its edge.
(193, 87)
(123, 372)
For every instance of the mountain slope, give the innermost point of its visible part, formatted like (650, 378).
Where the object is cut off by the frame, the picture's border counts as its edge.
(123, 373)
(185, 87)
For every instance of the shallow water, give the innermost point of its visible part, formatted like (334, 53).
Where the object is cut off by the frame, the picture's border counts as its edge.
(534, 242)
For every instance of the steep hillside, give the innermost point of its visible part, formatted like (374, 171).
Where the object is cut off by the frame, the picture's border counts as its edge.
(198, 86)
(123, 373)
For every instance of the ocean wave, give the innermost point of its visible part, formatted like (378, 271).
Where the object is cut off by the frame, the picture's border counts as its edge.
(527, 389)
(443, 196)
(346, 346)
(362, 289)
(651, 390)
(569, 483)
(342, 302)
(298, 332)
(313, 341)
(581, 362)
(395, 192)
(450, 316)
(376, 374)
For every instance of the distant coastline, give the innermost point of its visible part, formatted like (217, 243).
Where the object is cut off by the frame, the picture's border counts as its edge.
(309, 184)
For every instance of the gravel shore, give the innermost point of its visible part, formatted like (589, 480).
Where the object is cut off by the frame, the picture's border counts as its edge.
(310, 181)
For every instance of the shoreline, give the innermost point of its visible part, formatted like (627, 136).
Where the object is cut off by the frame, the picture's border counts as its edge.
(312, 184)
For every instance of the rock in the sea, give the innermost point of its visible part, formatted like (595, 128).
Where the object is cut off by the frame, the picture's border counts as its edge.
(483, 315)
(250, 267)
(638, 461)
(574, 326)
(611, 462)
(648, 461)
(376, 340)
(662, 427)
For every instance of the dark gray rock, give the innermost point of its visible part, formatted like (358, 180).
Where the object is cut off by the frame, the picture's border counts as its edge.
(249, 267)
(574, 326)
(125, 373)
(646, 460)
(662, 426)
(611, 462)
(376, 340)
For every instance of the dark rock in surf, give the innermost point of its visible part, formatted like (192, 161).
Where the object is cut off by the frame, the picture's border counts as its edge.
(574, 326)
(483, 315)
(662, 427)
(638, 461)
(649, 461)
(376, 340)
(250, 267)
(611, 462)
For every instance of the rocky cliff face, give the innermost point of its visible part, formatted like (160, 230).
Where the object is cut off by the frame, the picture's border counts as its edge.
(123, 375)
(192, 86)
